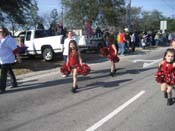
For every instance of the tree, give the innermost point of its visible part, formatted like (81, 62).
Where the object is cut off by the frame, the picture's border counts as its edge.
(18, 10)
(145, 20)
(79, 11)
(54, 16)
(171, 24)
(151, 20)
(135, 18)
(12, 23)
(33, 19)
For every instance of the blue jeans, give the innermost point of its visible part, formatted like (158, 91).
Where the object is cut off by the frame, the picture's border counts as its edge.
(121, 48)
(157, 42)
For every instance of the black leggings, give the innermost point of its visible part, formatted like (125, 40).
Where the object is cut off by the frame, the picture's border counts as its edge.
(7, 69)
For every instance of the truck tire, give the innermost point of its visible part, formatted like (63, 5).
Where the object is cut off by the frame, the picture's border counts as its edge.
(48, 54)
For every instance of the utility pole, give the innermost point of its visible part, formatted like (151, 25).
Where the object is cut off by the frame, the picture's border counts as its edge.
(62, 15)
(129, 15)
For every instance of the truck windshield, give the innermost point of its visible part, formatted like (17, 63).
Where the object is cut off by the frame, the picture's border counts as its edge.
(41, 33)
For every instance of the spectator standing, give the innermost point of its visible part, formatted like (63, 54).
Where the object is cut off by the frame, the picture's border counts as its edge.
(133, 41)
(150, 40)
(165, 38)
(52, 29)
(157, 39)
(105, 37)
(121, 42)
(170, 38)
(59, 29)
(8, 50)
(66, 46)
(143, 40)
(127, 41)
(21, 47)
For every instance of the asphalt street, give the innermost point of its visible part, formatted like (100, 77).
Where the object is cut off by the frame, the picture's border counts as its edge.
(129, 101)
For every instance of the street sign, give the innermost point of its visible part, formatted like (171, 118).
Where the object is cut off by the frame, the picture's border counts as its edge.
(163, 25)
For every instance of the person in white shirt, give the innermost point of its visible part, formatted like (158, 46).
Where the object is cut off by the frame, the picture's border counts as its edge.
(8, 51)
(133, 41)
(66, 45)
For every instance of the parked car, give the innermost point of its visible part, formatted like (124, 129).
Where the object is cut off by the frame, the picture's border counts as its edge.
(38, 42)
(95, 42)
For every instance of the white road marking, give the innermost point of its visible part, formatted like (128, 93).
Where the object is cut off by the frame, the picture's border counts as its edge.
(141, 60)
(147, 62)
(115, 112)
(152, 63)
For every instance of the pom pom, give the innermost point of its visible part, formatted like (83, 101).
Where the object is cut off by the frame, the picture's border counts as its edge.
(65, 69)
(114, 58)
(160, 77)
(83, 69)
(104, 51)
(170, 78)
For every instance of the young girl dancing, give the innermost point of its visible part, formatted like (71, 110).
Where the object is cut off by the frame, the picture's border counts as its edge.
(111, 53)
(166, 75)
(73, 61)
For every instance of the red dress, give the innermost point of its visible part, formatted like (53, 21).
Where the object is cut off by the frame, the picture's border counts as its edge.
(167, 68)
(73, 60)
(112, 56)
(72, 64)
(111, 51)
(166, 74)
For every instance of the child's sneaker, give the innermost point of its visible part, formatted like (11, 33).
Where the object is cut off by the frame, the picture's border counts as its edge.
(111, 74)
(74, 90)
(165, 94)
(169, 101)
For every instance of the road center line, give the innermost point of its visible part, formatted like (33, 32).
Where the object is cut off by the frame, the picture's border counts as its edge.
(115, 112)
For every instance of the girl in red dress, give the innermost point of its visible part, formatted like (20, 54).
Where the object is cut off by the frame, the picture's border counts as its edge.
(166, 75)
(112, 55)
(73, 61)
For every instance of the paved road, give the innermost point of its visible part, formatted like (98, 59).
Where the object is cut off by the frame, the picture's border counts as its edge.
(130, 101)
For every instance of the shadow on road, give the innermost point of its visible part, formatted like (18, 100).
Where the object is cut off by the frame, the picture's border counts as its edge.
(98, 81)
(103, 84)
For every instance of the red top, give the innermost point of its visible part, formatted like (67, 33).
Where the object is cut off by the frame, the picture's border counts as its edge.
(167, 68)
(111, 50)
(73, 59)
(122, 38)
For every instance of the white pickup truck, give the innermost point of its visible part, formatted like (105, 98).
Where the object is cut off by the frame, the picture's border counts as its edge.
(38, 42)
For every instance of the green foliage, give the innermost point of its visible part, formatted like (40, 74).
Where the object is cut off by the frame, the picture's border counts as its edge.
(18, 10)
(145, 20)
(171, 24)
(151, 20)
(79, 11)
(54, 16)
